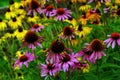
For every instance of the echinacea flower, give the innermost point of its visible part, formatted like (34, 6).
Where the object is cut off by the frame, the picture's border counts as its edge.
(85, 53)
(24, 59)
(62, 14)
(68, 32)
(49, 68)
(97, 47)
(35, 7)
(57, 47)
(31, 40)
(3, 25)
(50, 11)
(14, 23)
(37, 27)
(67, 61)
(20, 33)
(113, 39)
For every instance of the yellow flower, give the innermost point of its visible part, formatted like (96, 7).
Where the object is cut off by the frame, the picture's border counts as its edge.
(73, 1)
(82, 1)
(14, 23)
(83, 19)
(9, 34)
(33, 19)
(20, 33)
(15, 5)
(98, 4)
(84, 7)
(82, 31)
(86, 68)
(72, 21)
(9, 14)
(19, 53)
(3, 25)
(117, 2)
(25, 2)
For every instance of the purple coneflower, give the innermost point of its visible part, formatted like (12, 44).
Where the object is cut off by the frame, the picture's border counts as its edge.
(102, 1)
(49, 69)
(50, 11)
(31, 39)
(114, 39)
(67, 61)
(62, 14)
(97, 47)
(37, 27)
(24, 59)
(34, 7)
(86, 53)
(68, 32)
(57, 47)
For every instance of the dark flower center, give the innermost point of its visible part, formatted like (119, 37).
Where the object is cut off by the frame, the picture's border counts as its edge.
(11, 31)
(66, 58)
(49, 8)
(86, 51)
(70, 18)
(35, 26)
(115, 36)
(11, 2)
(68, 31)
(60, 11)
(83, 3)
(80, 28)
(20, 29)
(50, 66)
(118, 12)
(19, 74)
(57, 46)
(96, 22)
(31, 37)
(8, 10)
(14, 19)
(98, 11)
(96, 45)
(0, 20)
(21, 7)
(23, 58)
(34, 4)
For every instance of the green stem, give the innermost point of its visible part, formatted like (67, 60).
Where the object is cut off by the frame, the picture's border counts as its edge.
(97, 71)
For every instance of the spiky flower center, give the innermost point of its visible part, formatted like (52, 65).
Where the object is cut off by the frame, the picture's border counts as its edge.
(34, 4)
(60, 11)
(57, 46)
(96, 45)
(31, 37)
(50, 66)
(11, 31)
(23, 58)
(68, 31)
(80, 28)
(35, 26)
(115, 36)
(66, 58)
(49, 8)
